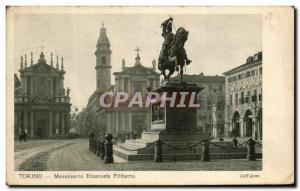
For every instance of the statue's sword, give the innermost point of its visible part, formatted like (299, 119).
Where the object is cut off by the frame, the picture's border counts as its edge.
(173, 24)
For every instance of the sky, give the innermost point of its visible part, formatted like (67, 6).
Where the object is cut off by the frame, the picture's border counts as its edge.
(216, 42)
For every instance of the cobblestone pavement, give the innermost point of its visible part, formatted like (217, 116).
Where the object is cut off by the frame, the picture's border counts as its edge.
(73, 155)
(25, 151)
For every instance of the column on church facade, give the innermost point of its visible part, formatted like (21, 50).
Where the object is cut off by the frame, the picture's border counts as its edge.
(21, 122)
(148, 124)
(117, 122)
(130, 121)
(25, 85)
(50, 123)
(60, 85)
(51, 87)
(148, 82)
(31, 87)
(57, 86)
(67, 128)
(32, 123)
(146, 121)
(123, 129)
(129, 86)
(18, 126)
(25, 122)
(122, 84)
(57, 127)
(22, 83)
(62, 123)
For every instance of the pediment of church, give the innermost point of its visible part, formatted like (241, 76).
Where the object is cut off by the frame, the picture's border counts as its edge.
(42, 67)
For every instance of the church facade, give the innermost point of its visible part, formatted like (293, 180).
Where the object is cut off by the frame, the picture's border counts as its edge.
(41, 103)
(136, 78)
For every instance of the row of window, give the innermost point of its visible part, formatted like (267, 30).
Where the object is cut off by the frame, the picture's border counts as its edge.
(245, 75)
(245, 98)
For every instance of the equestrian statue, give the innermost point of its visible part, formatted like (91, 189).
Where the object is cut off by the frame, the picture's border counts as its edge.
(173, 56)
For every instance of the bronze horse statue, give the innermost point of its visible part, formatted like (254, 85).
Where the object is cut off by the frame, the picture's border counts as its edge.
(176, 55)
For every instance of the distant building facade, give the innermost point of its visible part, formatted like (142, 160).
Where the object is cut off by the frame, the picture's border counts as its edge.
(131, 79)
(243, 110)
(213, 95)
(42, 105)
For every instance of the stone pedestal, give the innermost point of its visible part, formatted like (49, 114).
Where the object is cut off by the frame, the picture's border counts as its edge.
(173, 121)
(176, 122)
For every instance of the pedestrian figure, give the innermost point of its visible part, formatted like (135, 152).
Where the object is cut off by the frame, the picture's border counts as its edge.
(23, 136)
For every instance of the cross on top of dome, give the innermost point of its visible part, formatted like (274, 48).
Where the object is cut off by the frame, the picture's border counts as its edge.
(137, 50)
(137, 59)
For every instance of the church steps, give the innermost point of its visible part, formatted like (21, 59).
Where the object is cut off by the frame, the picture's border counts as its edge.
(131, 156)
(138, 142)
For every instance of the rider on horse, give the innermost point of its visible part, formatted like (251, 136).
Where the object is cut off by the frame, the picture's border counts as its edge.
(169, 37)
(173, 53)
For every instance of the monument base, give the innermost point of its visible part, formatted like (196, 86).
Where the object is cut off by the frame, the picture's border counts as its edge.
(174, 123)
(176, 128)
(143, 149)
(176, 138)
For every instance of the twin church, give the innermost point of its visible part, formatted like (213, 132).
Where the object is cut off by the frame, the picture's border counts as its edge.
(41, 102)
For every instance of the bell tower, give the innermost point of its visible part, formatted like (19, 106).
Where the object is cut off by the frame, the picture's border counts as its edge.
(103, 62)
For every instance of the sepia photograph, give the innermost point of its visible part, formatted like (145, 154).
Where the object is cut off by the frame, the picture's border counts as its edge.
(109, 93)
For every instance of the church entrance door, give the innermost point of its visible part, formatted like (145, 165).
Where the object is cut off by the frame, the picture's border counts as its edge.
(41, 128)
(41, 124)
